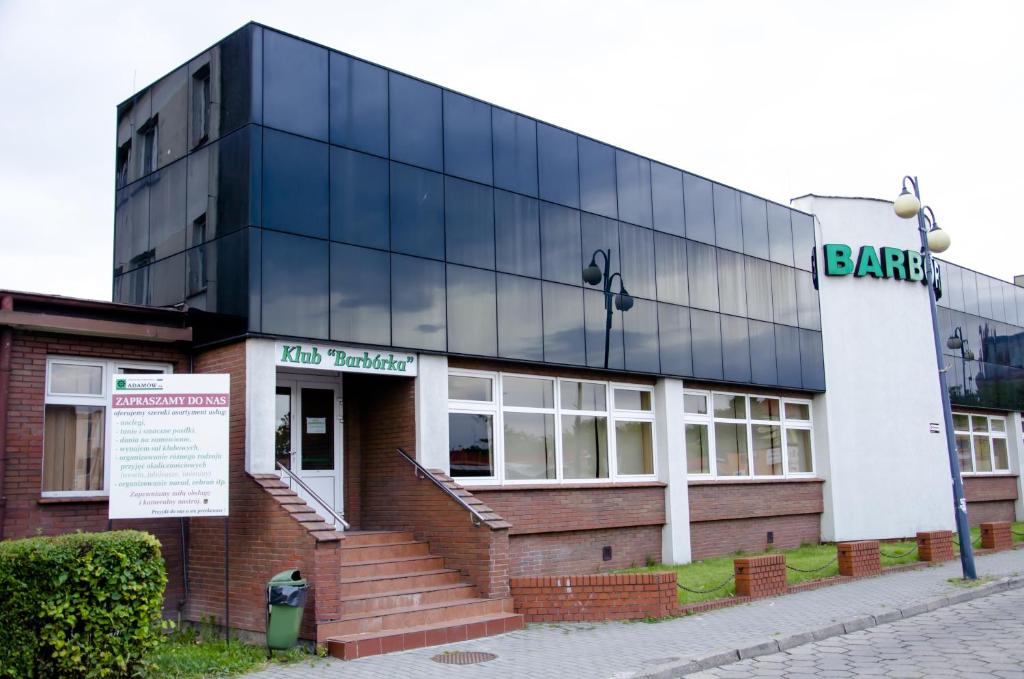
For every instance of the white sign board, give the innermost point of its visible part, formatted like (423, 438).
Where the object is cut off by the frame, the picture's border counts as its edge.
(346, 359)
(169, 446)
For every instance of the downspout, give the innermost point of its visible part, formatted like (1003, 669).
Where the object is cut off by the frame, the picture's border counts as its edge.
(6, 340)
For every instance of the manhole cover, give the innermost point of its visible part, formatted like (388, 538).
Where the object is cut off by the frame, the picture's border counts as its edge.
(463, 657)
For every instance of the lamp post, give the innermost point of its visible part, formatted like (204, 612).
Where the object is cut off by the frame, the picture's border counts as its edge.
(934, 239)
(957, 341)
(593, 275)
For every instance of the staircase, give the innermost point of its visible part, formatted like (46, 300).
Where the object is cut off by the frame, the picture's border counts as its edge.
(396, 596)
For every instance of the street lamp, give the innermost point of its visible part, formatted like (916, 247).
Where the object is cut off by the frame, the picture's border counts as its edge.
(957, 341)
(593, 275)
(933, 239)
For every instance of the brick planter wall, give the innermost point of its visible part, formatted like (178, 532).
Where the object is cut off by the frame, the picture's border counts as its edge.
(996, 535)
(758, 576)
(935, 545)
(578, 598)
(730, 516)
(859, 558)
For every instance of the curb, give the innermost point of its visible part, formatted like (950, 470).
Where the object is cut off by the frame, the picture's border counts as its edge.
(860, 622)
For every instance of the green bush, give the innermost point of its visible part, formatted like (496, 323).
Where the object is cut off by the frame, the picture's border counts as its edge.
(80, 605)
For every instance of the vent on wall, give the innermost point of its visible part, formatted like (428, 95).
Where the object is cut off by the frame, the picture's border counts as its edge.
(606, 553)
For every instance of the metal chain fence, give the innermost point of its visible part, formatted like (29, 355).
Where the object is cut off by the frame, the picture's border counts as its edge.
(705, 591)
(898, 556)
(813, 570)
(975, 543)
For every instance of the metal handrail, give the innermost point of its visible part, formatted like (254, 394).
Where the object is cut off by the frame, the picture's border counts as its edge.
(423, 472)
(292, 476)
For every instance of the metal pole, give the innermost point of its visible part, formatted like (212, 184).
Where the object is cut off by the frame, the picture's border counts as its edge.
(227, 582)
(959, 501)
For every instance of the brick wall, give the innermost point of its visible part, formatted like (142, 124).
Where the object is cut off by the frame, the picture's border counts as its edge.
(27, 512)
(581, 598)
(393, 498)
(581, 552)
(730, 516)
(990, 498)
(560, 530)
(264, 538)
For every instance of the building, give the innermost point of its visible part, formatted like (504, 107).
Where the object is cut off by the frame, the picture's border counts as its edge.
(608, 360)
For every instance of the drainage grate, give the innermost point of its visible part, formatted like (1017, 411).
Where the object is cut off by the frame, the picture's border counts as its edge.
(463, 657)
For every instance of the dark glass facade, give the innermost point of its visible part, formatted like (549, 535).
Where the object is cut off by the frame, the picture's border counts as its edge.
(988, 314)
(318, 196)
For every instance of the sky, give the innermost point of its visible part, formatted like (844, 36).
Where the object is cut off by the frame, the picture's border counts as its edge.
(777, 98)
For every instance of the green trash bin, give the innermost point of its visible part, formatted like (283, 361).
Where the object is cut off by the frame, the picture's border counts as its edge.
(286, 599)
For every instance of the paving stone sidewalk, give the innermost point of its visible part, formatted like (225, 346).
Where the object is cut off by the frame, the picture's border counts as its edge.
(633, 650)
(979, 638)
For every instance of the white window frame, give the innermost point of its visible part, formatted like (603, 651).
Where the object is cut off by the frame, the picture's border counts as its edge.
(497, 409)
(991, 434)
(785, 424)
(103, 399)
(469, 407)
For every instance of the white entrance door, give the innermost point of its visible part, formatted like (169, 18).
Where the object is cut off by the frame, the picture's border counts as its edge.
(309, 436)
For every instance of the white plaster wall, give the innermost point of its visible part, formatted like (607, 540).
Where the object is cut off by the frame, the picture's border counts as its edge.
(887, 476)
(260, 413)
(671, 455)
(432, 412)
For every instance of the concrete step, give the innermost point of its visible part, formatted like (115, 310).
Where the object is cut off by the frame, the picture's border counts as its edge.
(409, 598)
(361, 645)
(414, 616)
(385, 551)
(361, 538)
(398, 565)
(373, 584)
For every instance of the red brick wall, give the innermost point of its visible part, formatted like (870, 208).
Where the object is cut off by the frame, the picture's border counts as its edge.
(581, 598)
(580, 552)
(990, 498)
(758, 576)
(352, 456)
(263, 537)
(730, 516)
(393, 498)
(560, 530)
(27, 513)
(550, 509)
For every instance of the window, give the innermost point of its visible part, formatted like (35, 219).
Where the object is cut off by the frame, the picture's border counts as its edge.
(471, 418)
(149, 147)
(201, 105)
(981, 443)
(197, 274)
(738, 435)
(75, 422)
(538, 429)
(124, 154)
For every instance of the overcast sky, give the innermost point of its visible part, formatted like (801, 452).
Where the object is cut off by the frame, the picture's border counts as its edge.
(777, 98)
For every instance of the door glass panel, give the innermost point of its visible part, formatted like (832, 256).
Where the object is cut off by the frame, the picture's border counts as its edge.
(317, 429)
(283, 425)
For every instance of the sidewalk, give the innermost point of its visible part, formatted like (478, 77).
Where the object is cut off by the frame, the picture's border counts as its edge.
(627, 650)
